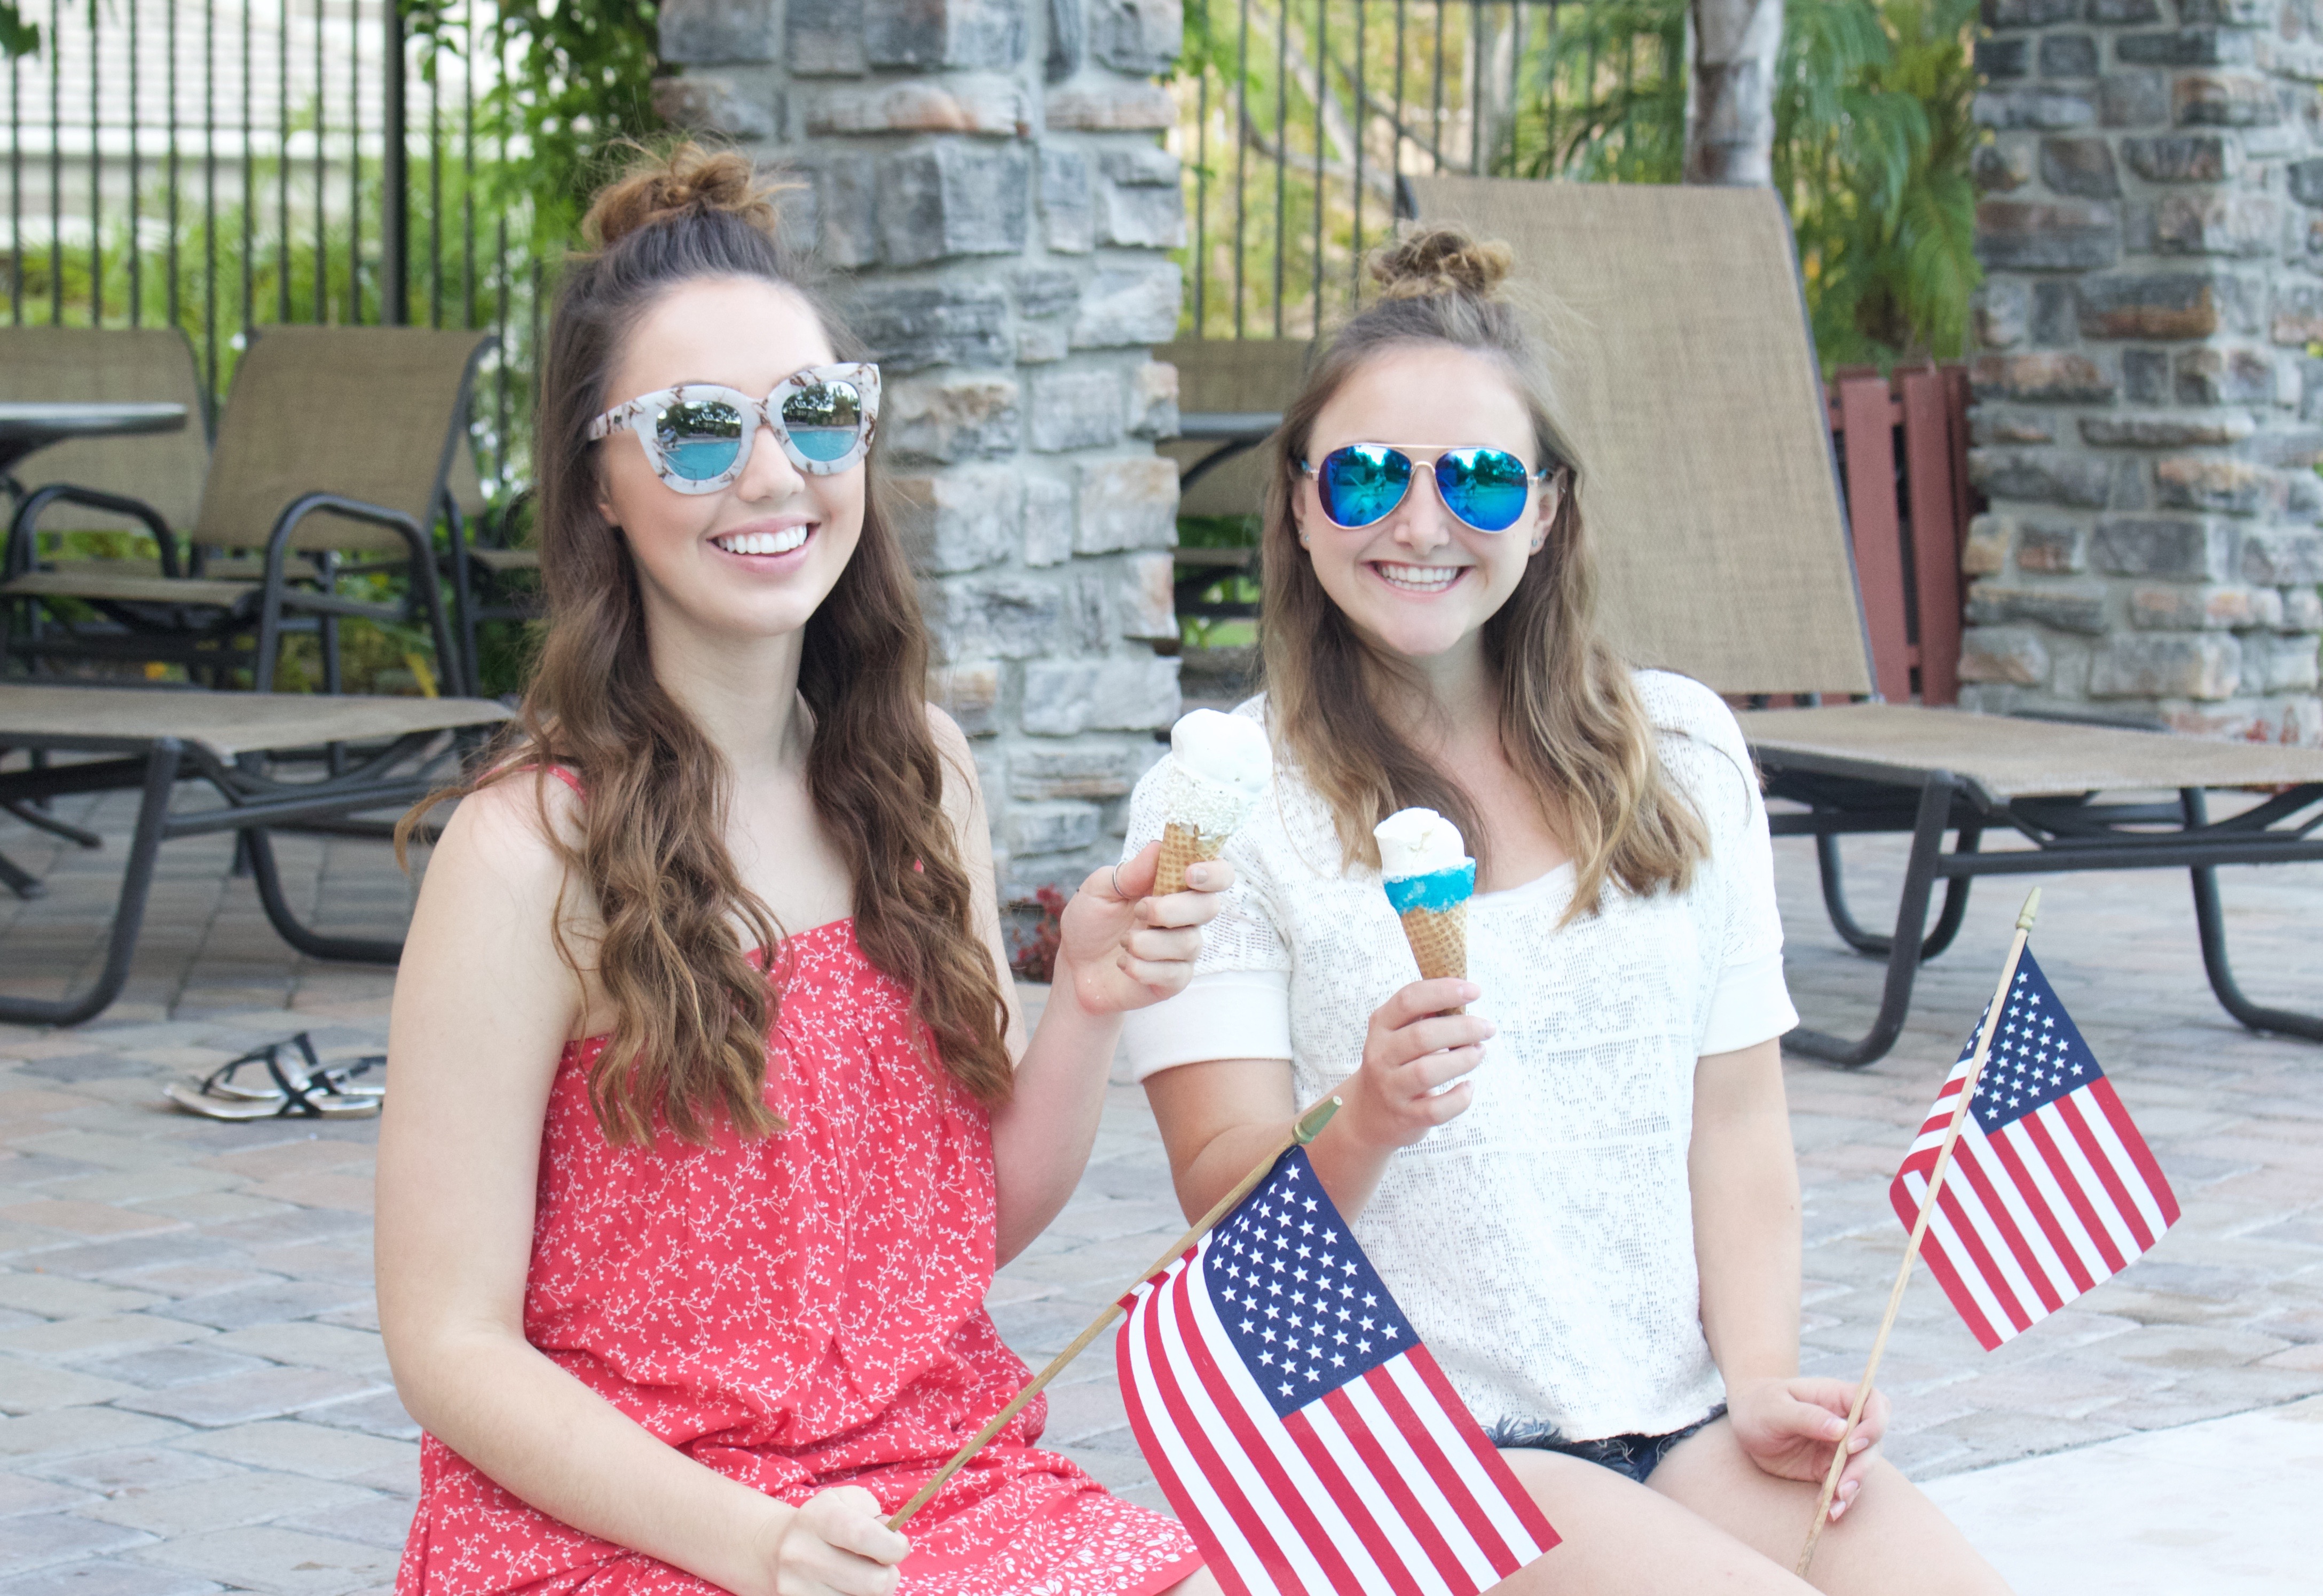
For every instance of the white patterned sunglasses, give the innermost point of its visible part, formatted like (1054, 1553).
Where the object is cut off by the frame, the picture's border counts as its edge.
(698, 436)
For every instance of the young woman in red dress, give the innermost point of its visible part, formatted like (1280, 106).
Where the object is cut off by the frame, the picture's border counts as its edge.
(713, 1114)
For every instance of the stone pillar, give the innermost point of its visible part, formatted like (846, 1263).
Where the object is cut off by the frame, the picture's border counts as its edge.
(986, 180)
(2149, 395)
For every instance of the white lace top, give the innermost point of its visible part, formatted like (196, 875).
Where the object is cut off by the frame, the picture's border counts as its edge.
(1542, 1242)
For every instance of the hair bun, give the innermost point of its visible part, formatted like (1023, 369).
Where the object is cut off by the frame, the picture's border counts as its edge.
(1441, 259)
(686, 180)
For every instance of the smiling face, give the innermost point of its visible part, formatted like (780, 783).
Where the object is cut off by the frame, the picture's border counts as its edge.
(1420, 582)
(755, 559)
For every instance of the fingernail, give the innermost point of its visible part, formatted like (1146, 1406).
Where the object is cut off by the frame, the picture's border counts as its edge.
(1470, 990)
(1834, 1427)
(1859, 1443)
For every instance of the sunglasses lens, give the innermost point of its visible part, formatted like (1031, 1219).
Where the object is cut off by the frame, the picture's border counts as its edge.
(699, 438)
(824, 421)
(1362, 482)
(1486, 487)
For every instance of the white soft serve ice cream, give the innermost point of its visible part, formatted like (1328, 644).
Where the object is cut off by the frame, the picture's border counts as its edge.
(1418, 842)
(1220, 766)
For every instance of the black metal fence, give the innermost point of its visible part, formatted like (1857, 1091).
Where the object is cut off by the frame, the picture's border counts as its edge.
(1297, 117)
(222, 165)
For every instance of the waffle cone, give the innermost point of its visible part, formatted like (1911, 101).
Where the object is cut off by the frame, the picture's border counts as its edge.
(1182, 846)
(1439, 941)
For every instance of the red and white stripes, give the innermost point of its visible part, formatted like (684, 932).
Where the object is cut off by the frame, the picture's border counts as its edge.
(2039, 1210)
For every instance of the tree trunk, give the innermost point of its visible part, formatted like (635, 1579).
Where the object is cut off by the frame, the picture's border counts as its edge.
(1729, 99)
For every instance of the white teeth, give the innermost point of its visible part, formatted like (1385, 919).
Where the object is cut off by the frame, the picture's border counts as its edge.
(763, 543)
(1419, 579)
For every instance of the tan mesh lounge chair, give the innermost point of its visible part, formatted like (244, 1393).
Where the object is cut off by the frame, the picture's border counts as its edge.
(161, 472)
(1230, 396)
(334, 442)
(153, 741)
(1689, 380)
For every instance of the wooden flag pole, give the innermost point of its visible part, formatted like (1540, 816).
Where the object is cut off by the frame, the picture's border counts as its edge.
(1920, 1225)
(1303, 1130)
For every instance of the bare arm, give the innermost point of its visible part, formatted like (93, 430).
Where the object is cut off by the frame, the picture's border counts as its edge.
(1745, 1183)
(482, 1009)
(1120, 951)
(1220, 1117)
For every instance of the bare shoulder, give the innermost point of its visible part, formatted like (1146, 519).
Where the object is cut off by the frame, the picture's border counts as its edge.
(497, 917)
(497, 864)
(505, 826)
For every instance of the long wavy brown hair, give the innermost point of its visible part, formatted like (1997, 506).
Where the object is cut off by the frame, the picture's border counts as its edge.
(1570, 721)
(689, 1046)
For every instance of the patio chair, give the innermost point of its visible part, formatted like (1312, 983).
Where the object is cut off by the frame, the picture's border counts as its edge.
(152, 741)
(161, 471)
(1689, 378)
(1230, 396)
(336, 442)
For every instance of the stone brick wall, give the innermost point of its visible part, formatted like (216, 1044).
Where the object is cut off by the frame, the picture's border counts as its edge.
(2149, 412)
(988, 177)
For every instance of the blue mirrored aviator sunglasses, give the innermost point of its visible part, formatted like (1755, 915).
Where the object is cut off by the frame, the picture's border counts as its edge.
(1487, 489)
(698, 436)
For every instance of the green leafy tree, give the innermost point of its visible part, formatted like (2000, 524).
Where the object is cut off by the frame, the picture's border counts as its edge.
(1873, 134)
(1879, 185)
(18, 36)
(577, 85)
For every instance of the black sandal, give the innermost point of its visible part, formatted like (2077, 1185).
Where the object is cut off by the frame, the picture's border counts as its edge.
(220, 1096)
(339, 1078)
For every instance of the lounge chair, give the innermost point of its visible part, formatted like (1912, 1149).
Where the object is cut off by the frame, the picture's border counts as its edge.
(161, 471)
(1231, 395)
(1689, 380)
(153, 741)
(334, 442)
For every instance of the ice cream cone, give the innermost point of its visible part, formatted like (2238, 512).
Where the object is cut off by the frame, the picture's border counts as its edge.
(1182, 845)
(1439, 940)
(1429, 878)
(1219, 767)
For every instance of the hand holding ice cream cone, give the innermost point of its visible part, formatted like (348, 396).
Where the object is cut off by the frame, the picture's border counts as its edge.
(1425, 866)
(1219, 768)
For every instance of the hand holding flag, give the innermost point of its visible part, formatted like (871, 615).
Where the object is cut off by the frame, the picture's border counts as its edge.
(2055, 1191)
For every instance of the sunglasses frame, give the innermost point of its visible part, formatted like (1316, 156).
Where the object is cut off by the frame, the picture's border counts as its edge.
(642, 416)
(1545, 473)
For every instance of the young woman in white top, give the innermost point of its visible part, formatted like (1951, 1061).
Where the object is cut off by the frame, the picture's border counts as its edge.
(1581, 1190)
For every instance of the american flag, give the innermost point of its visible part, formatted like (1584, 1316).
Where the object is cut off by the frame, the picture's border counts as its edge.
(1299, 1427)
(2050, 1190)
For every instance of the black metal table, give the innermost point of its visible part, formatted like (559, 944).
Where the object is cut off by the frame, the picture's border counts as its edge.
(1235, 432)
(27, 425)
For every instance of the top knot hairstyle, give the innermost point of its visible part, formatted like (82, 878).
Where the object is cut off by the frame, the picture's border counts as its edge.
(695, 1008)
(688, 184)
(1570, 718)
(1436, 260)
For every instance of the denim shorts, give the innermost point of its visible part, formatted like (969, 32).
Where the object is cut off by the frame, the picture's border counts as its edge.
(1635, 1456)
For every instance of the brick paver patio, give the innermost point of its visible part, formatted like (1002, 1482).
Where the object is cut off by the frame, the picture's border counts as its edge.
(195, 1398)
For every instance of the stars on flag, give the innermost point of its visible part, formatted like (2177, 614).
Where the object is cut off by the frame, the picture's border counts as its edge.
(2032, 1063)
(1320, 1321)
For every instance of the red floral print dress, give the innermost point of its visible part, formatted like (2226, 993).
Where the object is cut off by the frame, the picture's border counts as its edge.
(797, 1312)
